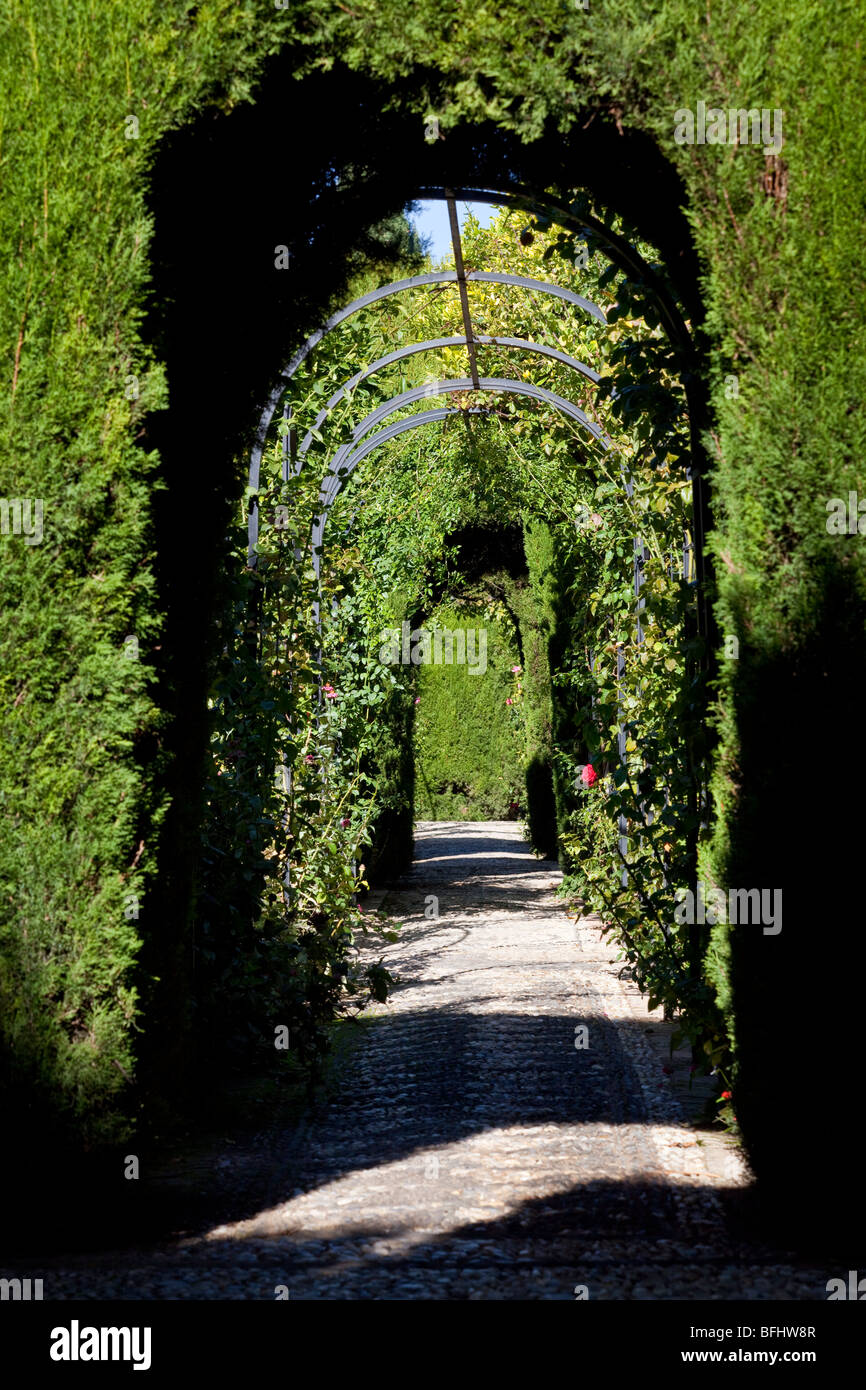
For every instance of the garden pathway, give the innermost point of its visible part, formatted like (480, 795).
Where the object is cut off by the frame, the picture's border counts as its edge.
(469, 1149)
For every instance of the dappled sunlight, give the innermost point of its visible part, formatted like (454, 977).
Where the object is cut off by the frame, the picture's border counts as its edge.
(484, 1178)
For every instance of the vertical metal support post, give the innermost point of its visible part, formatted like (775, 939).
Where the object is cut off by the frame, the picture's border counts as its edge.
(620, 743)
(461, 285)
(288, 452)
(253, 534)
(620, 671)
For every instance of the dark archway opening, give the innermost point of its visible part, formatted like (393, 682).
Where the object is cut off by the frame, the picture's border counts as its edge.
(225, 194)
(319, 166)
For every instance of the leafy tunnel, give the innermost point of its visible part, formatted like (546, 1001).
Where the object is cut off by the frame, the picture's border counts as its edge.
(607, 574)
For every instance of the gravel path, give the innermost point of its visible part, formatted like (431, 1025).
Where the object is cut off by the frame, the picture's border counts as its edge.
(471, 1150)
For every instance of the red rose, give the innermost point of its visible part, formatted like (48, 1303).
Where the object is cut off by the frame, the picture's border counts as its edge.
(588, 775)
(726, 1095)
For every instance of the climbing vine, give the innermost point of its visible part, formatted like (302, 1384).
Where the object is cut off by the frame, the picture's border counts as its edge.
(312, 712)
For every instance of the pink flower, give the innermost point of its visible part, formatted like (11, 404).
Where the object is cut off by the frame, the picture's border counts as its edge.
(515, 669)
(329, 692)
(417, 699)
(588, 775)
(345, 822)
(508, 700)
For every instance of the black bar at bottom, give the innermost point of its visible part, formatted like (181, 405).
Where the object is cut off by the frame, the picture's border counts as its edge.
(248, 1338)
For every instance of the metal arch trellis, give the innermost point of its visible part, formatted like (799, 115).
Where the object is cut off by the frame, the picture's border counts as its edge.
(622, 254)
(618, 249)
(373, 297)
(430, 345)
(344, 458)
(469, 339)
(348, 456)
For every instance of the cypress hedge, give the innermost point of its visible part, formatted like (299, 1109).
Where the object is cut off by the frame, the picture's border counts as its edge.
(767, 256)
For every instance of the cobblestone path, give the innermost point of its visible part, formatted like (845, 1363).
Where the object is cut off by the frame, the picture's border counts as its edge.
(471, 1150)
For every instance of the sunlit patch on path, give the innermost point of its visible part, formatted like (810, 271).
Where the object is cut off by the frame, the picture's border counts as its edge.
(472, 1149)
(503, 1128)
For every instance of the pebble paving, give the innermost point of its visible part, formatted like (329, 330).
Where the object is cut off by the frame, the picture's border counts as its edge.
(470, 1150)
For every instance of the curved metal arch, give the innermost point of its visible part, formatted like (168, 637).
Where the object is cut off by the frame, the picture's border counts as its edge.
(622, 254)
(424, 417)
(435, 277)
(429, 345)
(618, 249)
(348, 456)
(502, 385)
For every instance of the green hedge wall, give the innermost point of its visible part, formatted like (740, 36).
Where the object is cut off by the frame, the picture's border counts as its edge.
(78, 773)
(391, 844)
(468, 741)
(533, 602)
(779, 242)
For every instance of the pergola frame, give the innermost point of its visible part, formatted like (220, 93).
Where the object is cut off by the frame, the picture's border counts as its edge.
(349, 455)
(436, 277)
(430, 345)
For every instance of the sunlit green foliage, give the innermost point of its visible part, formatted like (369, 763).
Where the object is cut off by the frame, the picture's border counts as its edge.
(469, 747)
(779, 237)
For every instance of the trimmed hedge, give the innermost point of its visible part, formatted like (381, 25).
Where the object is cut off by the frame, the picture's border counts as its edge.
(776, 242)
(86, 93)
(468, 742)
